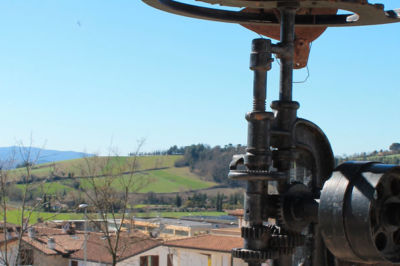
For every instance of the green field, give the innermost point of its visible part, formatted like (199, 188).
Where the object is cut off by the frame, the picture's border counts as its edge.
(178, 214)
(78, 167)
(50, 187)
(152, 174)
(158, 181)
(13, 216)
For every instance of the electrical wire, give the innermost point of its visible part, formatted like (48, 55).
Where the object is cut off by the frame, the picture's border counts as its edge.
(308, 72)
(305, 80)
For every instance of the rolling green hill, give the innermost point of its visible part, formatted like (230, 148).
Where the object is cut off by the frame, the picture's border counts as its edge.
(151, 173)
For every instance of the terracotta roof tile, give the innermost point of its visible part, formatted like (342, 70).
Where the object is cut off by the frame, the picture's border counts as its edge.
(129, 246)
(64, 243)
(39, 245)
(230, 231)
(50, 231)
(13, 236)
(208, 242)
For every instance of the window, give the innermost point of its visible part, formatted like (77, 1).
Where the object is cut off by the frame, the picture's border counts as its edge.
(208, 256)
(149, 261)
(140, 227)
(170, 259)
(26, 257)
(74, 263)
(181, 233)
(167, 231)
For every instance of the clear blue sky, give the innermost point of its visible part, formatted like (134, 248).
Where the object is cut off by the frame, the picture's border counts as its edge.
(83, 74)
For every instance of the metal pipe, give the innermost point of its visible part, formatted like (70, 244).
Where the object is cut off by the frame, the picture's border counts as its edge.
(260, 63)
(288, 16)
(258, 150)
(258, 154)
(286, 113)
(259, 92)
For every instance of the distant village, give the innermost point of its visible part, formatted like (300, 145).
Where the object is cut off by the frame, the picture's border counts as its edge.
(142, 242)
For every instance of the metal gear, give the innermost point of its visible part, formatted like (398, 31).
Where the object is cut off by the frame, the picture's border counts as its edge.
(286, 240)
(249, 255)
(258, 232)
(289, 215)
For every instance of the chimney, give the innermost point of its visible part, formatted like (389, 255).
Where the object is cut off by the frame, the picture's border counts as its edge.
(8, 235)
(51, 244)
(66, 227)
(31, 232)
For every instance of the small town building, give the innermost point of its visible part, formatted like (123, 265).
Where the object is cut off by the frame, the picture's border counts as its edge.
(49, 246)
(136, 249)
(167, 228)
(8, 243)
(204, 250)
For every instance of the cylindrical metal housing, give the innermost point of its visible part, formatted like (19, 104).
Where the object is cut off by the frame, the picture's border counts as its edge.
(359, 212)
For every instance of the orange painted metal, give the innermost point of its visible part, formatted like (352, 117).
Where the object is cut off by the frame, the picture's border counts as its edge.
(304, 35)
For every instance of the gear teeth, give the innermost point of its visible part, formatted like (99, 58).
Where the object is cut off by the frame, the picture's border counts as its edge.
(279, 215)
(249, 255)
(285, 251)
(257, 232)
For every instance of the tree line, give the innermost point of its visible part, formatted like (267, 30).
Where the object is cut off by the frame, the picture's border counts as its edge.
(197, 200)
(390, 156)
(210, 162)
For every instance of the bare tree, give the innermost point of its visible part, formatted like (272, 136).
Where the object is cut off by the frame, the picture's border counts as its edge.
(5, 165)
(110, 181)
(27, 206)
(7, 178)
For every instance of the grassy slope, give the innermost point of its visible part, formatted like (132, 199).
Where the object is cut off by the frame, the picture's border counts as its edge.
(159, 181)
(13, 216)
(166, 180)
(75, 166)
(51, 187)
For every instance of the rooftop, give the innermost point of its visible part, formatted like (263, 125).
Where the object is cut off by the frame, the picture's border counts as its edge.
(129, 246)
(72, 244)
(64, 243)
(230, 231)
(208, 242)
(176, 222)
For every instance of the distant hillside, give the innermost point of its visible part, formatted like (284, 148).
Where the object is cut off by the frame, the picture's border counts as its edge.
(157, 172)
(379, 157)
(19, 154)
(390, 156)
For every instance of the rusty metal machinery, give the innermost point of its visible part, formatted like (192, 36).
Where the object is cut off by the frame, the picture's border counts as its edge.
(299, 210)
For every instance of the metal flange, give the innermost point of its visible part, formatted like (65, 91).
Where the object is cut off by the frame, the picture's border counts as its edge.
(362, 12)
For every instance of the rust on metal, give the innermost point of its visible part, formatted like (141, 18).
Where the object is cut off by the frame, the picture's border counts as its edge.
(304, 35)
